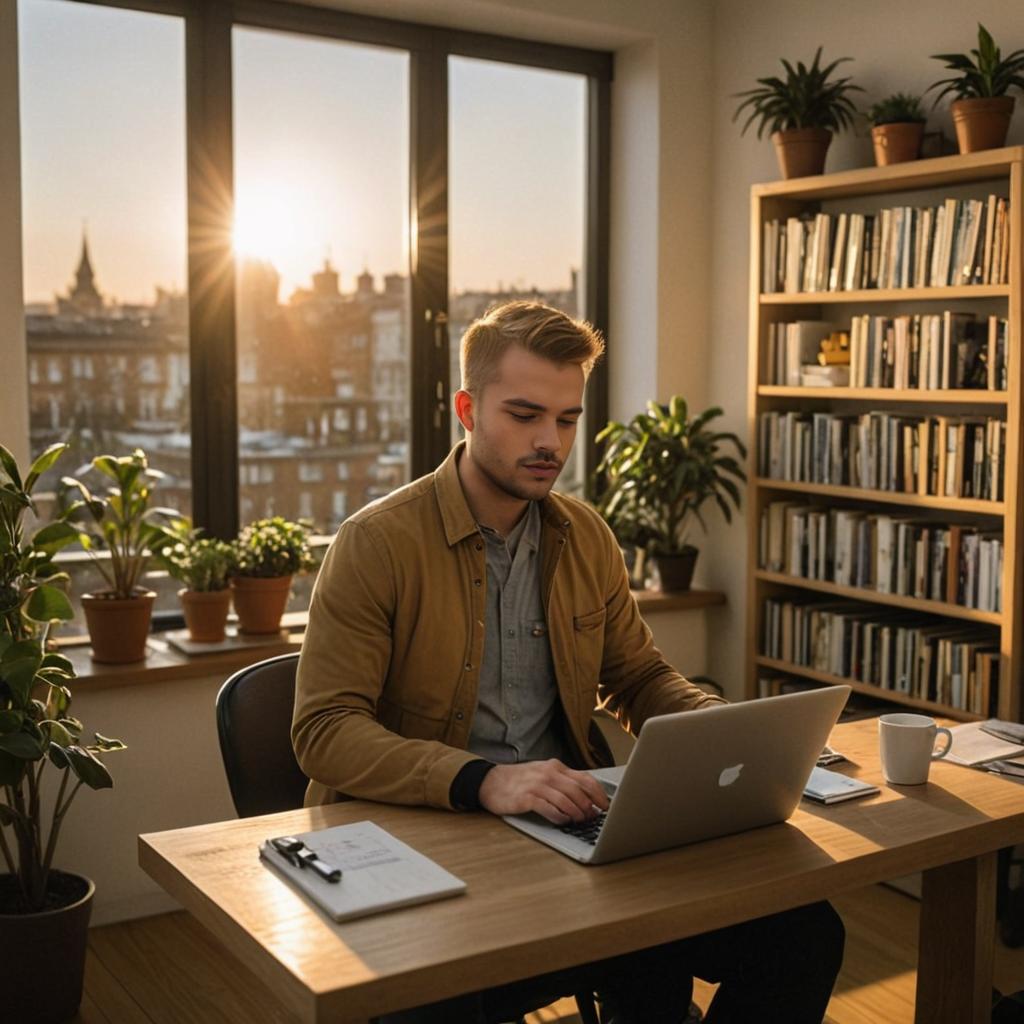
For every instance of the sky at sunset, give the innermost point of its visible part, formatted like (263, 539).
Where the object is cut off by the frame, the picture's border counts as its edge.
(321, 157)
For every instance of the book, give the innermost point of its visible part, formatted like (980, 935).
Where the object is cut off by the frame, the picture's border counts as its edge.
(829, 787)
(379, 872)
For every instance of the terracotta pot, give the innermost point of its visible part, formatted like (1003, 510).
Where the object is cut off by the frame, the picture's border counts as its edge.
(801, 151)
(260, 602)
(897, 143)
(43, 954)
(118, 627)
(206, 613)
(676, 571)
(981, 123)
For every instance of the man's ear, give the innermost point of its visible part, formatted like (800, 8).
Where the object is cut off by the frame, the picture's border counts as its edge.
(464, 408)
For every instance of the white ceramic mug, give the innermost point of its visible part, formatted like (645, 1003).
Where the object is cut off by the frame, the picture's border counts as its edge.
(906, 744)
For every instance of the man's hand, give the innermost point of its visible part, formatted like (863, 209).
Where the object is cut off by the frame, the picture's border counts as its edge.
(547, 787)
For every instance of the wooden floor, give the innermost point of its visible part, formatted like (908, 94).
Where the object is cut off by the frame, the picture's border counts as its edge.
(170, 970)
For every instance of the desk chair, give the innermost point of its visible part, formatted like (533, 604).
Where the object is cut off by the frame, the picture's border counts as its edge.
(254, 717)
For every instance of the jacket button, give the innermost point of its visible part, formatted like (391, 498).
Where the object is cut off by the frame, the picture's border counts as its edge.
(479, 546)
(459, 715)
(468, 666)
(477, 583)
(561, 540)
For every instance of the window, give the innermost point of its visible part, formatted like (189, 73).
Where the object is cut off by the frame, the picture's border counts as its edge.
(327, 223)
(104, 215)
(321, 180)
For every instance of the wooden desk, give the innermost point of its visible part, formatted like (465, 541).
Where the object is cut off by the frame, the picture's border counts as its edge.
(530, 910)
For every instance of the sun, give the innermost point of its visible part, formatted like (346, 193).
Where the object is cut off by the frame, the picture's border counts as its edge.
(272, 222)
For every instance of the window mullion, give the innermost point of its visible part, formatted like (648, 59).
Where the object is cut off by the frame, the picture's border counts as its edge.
(428, 259)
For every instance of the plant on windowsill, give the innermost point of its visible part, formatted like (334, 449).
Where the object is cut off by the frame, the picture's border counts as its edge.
(268, 553)
(658, 471)
(204, 565)
(44, 912)
(119, 524)
(982, 109)
(801, 111)
(897, 127)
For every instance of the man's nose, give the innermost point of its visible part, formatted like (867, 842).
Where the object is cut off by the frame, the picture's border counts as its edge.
(548, 440)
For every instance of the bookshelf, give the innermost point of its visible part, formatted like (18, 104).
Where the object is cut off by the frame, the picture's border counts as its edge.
(870, 190)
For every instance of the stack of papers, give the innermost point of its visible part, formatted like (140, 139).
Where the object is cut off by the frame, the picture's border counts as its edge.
(828, 787)
(972, 746)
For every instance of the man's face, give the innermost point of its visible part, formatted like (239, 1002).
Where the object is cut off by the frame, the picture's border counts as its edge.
(521, 428)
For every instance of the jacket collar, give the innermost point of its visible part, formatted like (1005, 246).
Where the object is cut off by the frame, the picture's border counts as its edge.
(455, 514)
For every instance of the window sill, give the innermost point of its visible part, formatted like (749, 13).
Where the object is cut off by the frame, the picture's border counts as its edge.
(164, 664)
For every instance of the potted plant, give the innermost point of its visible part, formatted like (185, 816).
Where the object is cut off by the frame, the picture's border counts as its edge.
(659, 470)
(268, 552)
(120, 525)
(982, 108)
(801, 111)
(897, 127)
(44, 912)
(203, 565)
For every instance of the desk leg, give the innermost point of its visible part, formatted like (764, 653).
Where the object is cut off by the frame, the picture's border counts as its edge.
(958, 921)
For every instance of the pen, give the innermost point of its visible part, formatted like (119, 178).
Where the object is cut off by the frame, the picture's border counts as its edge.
(296, 852)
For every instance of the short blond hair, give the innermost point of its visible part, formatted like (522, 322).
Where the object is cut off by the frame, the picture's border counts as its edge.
(540, 329)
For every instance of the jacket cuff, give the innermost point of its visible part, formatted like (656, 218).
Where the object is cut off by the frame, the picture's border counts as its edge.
(464, 794)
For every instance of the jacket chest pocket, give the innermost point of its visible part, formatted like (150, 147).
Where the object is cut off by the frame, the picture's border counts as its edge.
(588, 640)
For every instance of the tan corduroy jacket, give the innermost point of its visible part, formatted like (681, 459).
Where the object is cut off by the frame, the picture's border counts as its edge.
(387, 680)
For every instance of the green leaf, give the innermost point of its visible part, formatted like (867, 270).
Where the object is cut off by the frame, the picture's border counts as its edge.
(18, 668)
(54, 536)
(10, 466)
(10, 721)
(59, 734)
(89, 768)
(105, 744)
(46, 604)
(58, 756)
(21, 745)
(43, 463)
(7, 815)
(53, 660)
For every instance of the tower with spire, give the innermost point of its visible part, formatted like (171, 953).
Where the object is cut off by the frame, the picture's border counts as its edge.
(83, 298)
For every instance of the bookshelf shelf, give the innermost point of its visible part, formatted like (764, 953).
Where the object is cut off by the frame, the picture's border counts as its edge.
(990, 508)
(954, 396)
(917, 604)
(869, 689)
(865, 295)
(915, 185)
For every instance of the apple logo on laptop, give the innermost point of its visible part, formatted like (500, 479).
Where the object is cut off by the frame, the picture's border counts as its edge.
(730, 775)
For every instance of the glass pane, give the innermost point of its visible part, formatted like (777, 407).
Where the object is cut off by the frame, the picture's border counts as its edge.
(321, 201)
(517, 178)
(102, 95)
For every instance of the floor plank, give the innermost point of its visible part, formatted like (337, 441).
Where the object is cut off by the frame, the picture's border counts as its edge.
(169, 970)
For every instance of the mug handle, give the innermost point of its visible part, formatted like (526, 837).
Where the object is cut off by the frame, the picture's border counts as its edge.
(942, 731)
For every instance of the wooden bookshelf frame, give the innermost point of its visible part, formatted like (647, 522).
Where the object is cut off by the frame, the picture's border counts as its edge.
(1004, 169)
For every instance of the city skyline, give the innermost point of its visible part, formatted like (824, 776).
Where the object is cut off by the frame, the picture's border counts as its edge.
(103, 141)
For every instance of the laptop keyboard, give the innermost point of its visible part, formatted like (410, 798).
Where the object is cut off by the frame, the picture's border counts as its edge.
(588, 831)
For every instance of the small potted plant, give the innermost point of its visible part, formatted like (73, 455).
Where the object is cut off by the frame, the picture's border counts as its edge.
(268, 552)
(801, 111)
(982, 109)
(203, 565)
(897, 127)
(119, 525)
(658, 471)
(44, 912)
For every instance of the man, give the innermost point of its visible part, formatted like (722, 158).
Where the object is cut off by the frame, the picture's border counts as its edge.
(461, 632)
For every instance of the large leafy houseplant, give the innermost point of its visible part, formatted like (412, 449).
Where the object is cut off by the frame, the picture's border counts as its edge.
(121, 532)
(659, 470)
(983, 78)
(801, 111)
(36, 728)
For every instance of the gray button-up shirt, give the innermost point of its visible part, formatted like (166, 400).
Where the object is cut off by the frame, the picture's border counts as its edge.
(517, 713)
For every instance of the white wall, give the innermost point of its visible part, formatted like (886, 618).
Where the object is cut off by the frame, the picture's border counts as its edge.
(890, 44)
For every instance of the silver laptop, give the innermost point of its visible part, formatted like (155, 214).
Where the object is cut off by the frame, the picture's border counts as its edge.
(700, 774)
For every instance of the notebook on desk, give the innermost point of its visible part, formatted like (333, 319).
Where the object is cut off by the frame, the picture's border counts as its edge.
(701, 774)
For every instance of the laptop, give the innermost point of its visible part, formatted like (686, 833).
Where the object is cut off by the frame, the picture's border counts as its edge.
(697, 775)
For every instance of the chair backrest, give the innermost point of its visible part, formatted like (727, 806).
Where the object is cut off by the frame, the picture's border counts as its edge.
(254, 717)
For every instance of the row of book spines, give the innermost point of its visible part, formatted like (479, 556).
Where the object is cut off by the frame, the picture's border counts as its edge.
(931, 456)
(947, 664)
(958, 243)
(953, 564)
(923, 351)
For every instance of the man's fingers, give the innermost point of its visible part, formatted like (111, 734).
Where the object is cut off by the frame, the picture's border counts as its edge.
(592, 791)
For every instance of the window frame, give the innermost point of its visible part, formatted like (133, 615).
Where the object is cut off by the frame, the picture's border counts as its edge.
(213, 354)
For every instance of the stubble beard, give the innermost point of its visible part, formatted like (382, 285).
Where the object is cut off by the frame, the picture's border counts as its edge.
(505, 481)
